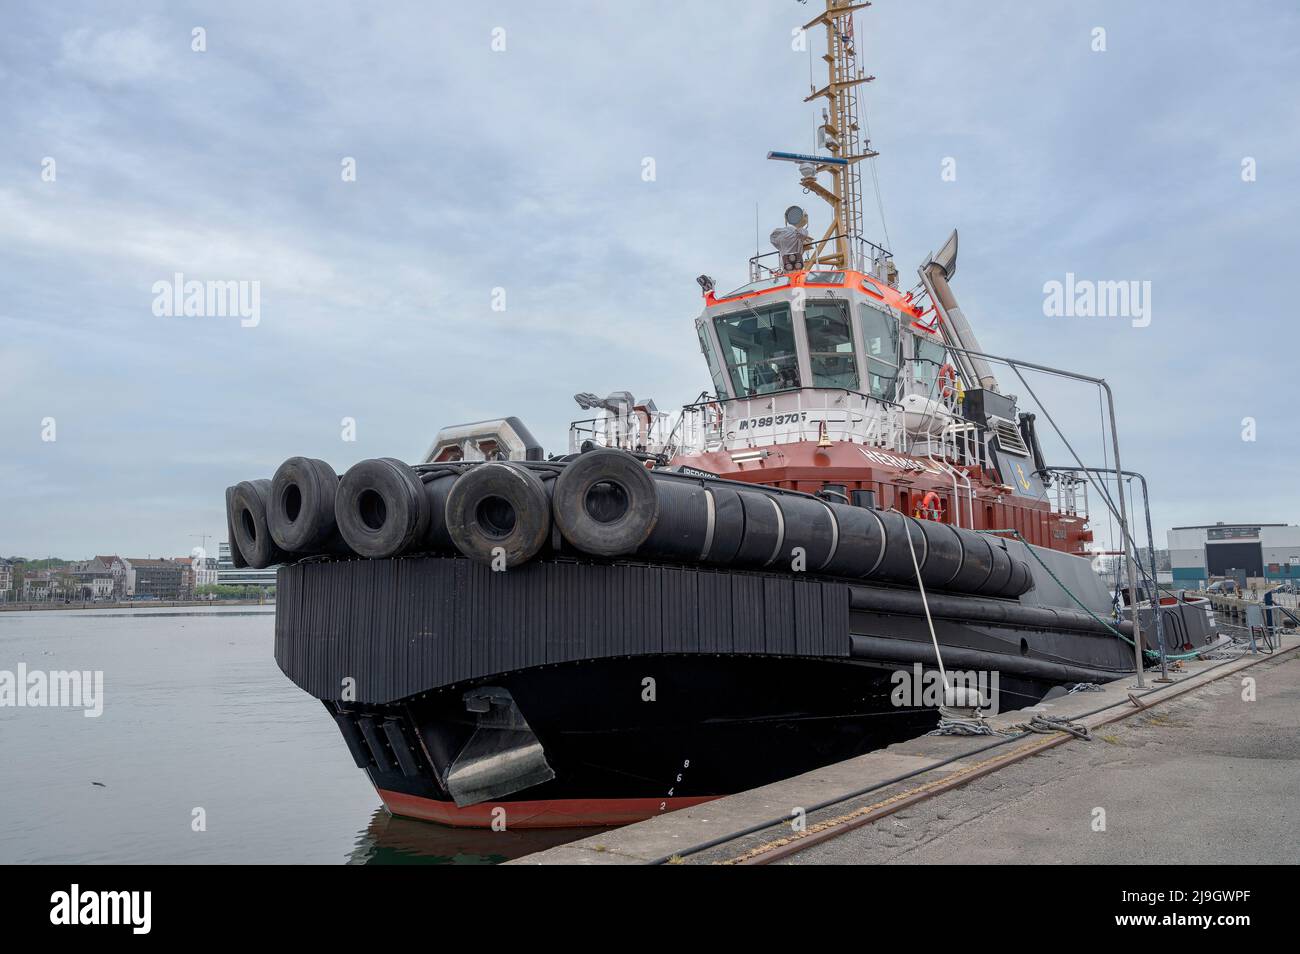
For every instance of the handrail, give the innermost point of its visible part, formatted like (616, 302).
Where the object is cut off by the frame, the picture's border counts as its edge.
(755, 267)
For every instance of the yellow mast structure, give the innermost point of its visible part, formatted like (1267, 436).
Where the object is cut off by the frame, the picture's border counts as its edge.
(841, 246)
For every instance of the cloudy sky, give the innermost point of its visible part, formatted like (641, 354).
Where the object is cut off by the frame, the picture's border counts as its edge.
(521, 169)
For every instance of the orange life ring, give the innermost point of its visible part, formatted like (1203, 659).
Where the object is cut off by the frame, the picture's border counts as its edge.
(947, 380)
(931, 507)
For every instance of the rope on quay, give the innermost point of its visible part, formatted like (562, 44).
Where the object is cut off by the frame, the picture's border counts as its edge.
(1049, 724)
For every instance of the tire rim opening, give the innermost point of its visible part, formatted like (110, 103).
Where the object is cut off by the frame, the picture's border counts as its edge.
(250, 526)
(291, 502)
(606, 502)
(496, 516)
(372, 509)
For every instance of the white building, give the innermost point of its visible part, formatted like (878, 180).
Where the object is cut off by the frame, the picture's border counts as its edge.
(1260, 551)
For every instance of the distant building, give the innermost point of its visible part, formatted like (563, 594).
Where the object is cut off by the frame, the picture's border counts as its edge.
(6, 579)
(229, 575)
(40, 586)
(1162, 559)
(205, 570)
(89, 579)
(122, 573)
(187, 573)
(1269, 552)
(160, 579)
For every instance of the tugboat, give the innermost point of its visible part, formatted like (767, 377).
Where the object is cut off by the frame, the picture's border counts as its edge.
(682, 607)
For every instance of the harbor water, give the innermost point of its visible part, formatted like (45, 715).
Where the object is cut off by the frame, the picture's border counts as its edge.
(204, 753)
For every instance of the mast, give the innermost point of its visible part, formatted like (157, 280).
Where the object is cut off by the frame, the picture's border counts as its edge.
(842, 244)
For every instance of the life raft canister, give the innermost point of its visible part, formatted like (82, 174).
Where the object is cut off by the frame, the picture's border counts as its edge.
(931, 507)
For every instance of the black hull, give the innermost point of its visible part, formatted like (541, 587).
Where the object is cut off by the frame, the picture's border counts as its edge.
(595, 694)
(716, 725)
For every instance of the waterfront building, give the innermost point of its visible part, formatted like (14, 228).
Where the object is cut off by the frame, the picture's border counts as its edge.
(1258, 553)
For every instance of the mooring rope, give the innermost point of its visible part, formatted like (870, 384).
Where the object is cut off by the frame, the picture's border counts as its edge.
(1150, 653)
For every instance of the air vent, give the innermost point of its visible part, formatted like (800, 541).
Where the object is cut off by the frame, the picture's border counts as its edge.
(1008, 436)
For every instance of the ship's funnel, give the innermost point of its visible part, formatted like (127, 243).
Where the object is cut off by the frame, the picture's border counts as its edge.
(956, 329)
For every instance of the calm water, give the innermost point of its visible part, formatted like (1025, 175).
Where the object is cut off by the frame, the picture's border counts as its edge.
(196, 714)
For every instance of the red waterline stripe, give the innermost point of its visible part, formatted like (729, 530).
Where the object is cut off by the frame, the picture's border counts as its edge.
(550, 813)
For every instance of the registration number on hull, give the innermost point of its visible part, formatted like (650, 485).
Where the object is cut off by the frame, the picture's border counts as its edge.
(774, 420)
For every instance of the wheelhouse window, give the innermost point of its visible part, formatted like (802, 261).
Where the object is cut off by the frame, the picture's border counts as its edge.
(823, 278)
(830, 345)
(880, 337)
(758, 348)
(719, 382)
(929, 359)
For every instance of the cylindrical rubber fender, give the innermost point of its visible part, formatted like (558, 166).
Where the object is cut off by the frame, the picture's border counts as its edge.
(236, 555)
(764, 529)
(943, 554)
(499, 508)
(300, 507)
(896, 567)
(681, 530)
(379, 507)
(861, 544)
(728, 520)
(436, 490)
(605, 502)
(963, 608)
(810, 527)
(1022, 579)
(976, 563)
(251, 530)
(1000, 575)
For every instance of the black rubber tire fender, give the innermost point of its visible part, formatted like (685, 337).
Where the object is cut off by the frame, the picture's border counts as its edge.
(605, 503)
(499, 505)
(251, 530)
(379, 508)
(300, 508)
(236, 555)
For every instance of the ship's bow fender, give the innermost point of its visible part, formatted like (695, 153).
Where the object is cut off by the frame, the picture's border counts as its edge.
(499, 510)
(248, 505)
(236, 555)
(300, 507)
(606, 503)
(379, 508)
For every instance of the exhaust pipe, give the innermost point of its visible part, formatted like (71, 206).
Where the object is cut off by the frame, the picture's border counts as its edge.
(935, 276)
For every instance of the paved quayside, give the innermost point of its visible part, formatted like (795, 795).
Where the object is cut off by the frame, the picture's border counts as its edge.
(1199, 775)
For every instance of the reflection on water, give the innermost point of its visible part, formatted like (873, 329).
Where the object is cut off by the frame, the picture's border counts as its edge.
(196, 716)
(403, 841)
